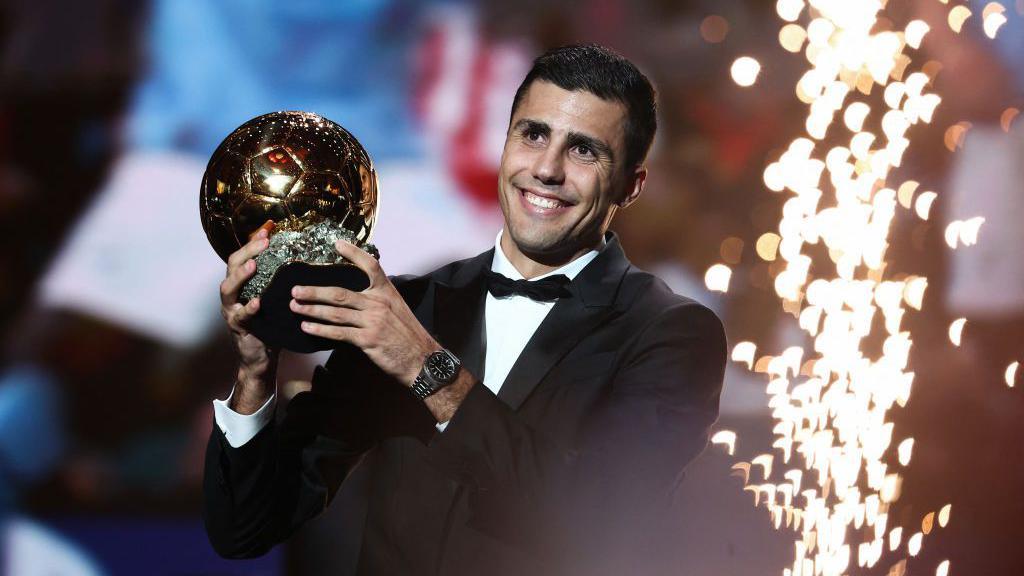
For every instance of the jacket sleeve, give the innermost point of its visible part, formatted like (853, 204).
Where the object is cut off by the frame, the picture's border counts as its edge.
(587, 504)
(258, 494)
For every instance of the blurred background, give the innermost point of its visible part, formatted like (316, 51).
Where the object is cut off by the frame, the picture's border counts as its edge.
(113, 347)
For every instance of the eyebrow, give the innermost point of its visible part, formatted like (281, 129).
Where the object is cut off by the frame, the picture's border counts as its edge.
(574, 138)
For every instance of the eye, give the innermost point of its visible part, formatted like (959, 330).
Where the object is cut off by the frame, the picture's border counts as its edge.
(584, 151)
(533, 135)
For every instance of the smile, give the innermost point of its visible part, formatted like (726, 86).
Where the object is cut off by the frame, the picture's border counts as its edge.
(542, 204)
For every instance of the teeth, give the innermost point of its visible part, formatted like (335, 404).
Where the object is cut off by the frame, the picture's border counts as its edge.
(541, 202)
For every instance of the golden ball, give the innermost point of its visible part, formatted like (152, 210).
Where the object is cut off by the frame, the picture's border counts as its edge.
(291, 168)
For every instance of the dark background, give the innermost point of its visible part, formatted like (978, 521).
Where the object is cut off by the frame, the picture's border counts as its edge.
(112, 341)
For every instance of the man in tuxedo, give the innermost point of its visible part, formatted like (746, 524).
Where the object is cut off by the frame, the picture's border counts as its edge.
(532, 408)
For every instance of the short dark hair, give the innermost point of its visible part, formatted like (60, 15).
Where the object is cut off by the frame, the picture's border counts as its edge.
(607, 75)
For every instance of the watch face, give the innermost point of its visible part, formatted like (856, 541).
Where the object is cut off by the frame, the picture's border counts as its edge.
(441, 366)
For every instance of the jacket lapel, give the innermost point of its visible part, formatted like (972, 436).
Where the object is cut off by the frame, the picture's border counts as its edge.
(458, 318)
(458, 313)
(570, 320)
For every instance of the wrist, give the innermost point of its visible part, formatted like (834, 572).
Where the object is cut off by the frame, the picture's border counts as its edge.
(258, 374)
(419, 357)
(446, 401)
(439, 369)
(253, 387)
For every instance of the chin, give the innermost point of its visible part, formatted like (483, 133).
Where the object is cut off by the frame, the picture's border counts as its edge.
(543, 245)
(531, 240)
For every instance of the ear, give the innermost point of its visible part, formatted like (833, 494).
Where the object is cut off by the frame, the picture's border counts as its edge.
(636, 186)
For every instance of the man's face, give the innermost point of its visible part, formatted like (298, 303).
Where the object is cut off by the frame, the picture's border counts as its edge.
(562, 171)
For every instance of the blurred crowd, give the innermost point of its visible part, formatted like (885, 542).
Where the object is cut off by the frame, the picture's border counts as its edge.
(112, 346)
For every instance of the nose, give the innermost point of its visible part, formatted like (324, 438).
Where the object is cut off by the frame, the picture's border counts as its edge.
(549, 166)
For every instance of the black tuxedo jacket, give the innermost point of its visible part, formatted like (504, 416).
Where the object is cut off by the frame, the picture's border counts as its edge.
(569, 469)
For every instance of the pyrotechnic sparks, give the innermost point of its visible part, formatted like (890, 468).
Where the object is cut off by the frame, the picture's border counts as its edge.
(923, 206)
(768, 246)
(956, 330)
(993, 18)
(744, 352)
(904, 451)
(1007, 117)
(914, 544)
(745, 70)
(742, 469)
(727, 438)
(895, 538)
(731, 250)
(789, 10)
(905, 193)
(931, 69)
(792, 37)
(963, 232)
(1011, 373)
(957, 16)
(913, 293)
(831, 409)
(927, 523)
(915, 32)
(955, 136)
(717, 278)
(714, 29)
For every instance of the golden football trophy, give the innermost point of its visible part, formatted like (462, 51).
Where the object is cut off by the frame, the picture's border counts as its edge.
(310, 182)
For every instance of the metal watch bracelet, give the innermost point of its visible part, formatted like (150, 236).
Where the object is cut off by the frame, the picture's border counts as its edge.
(425, 384)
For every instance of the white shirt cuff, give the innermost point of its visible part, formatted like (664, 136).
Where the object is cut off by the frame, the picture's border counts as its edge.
(240, 428)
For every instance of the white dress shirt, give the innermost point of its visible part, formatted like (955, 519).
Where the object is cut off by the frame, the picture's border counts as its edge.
(509, 323)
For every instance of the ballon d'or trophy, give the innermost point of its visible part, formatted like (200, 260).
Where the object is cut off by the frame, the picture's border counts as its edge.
(310, 183)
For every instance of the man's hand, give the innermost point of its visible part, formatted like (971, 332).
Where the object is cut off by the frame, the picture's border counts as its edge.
(377, 320)
(257, 362)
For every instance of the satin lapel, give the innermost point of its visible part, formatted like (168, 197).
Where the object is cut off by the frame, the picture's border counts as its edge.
(570, 320)
(458, 315)
(567, 323)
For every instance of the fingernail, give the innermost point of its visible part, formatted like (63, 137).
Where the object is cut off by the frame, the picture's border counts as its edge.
(296, 291)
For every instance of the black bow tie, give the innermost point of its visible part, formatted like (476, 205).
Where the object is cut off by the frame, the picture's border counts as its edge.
(546, 289)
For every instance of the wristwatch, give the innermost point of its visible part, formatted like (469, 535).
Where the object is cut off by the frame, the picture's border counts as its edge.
(439, 370)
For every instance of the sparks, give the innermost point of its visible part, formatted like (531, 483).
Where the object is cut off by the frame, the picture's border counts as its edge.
(745, 71)
(956, 330)
(831, 408)
(717, 278)
(726, 437)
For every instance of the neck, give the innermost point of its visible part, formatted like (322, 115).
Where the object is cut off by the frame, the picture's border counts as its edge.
(531, 266)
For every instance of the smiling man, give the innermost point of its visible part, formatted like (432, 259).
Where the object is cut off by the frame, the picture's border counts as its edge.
(564, 172)
(533, 407)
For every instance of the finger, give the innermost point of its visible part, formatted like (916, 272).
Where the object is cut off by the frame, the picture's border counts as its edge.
(340, 333)
(250, 250)
(362, 260)
(252, 307)
(332, 314)
(232, 284)
(265, 229)
(239, 314)
(333, 295)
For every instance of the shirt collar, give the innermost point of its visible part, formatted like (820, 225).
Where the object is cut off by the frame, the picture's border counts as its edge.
(502, 266)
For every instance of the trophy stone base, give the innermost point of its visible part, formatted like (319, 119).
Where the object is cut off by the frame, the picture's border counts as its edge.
(275, 323)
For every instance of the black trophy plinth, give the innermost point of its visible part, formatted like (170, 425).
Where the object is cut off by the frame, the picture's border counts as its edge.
(277, 325)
